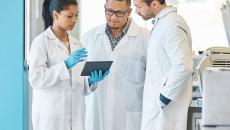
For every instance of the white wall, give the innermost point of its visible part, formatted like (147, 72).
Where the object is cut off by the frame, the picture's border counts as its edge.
(205, 21)
(203, 17)
(92, 15)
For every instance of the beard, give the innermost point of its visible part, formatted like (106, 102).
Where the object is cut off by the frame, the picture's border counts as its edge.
(145, 17)
(112, 26)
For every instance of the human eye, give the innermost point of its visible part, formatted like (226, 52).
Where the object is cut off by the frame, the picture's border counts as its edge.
(109, 12)
(120, 12)
(70, 16)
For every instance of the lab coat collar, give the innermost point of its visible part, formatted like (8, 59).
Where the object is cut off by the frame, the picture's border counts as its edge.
(73, 42)
(51, 36)
(163, 12)
(132, 31)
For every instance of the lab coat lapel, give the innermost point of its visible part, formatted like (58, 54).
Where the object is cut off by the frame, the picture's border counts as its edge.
(155, 21)
(121, 42)
(73, 43)
(105, 39)
(107, 44)
(55, 40)
(132, 31)
(63, 47)
(161, 14)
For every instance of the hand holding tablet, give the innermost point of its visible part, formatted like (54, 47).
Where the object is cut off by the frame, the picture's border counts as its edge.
(91, 66)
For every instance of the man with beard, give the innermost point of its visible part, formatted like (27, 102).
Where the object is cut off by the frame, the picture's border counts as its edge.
(117, 104)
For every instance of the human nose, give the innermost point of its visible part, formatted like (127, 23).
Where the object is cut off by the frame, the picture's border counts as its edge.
(114, 15)
(75, 19)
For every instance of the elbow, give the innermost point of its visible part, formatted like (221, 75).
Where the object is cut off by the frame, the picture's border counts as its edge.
(34, 83)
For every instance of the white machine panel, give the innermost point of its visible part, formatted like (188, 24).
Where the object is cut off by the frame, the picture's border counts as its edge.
(216, 99)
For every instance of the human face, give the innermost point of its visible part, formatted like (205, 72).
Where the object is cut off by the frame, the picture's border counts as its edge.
(143, 9)
(114, 11)
(67, 18)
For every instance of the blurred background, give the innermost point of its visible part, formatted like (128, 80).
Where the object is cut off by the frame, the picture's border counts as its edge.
(21, 21)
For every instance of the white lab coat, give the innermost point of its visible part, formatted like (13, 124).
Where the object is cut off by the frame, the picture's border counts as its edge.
(169, 71)
(117, 103)
(58, 93)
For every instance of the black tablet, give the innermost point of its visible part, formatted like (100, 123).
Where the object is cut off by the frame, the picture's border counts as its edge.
(95, 65)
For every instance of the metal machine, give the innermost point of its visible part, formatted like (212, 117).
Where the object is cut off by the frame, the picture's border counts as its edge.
(214, 83)
(216, 96)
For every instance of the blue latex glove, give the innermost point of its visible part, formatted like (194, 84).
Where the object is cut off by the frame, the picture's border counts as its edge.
(164, 101)
(97, 76)
(76, 57)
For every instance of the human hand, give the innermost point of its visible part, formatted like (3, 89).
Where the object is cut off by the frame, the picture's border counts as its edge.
(76, 57)
(97, 76)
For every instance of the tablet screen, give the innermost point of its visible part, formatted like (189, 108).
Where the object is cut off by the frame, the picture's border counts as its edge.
(91, 66)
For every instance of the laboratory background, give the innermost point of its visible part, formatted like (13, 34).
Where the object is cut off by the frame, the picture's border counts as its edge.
(209, 23)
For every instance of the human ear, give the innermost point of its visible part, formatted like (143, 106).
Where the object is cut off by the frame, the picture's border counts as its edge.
(154, 4)
(130, 11)
(55, 15)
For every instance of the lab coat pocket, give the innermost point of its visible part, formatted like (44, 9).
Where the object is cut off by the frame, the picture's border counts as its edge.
(158, 104)
(134, 71)
(56, 105)
(133, 120)
(133, 98)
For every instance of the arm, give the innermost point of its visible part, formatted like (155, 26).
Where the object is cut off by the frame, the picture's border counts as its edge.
(40, 75)
(178, 49)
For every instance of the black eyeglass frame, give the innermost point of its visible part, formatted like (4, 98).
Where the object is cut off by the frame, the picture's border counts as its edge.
(118, 13)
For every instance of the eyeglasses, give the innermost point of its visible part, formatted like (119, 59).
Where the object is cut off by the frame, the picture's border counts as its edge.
(118, 13)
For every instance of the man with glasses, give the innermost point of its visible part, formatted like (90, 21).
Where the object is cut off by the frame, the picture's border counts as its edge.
(117, 103)
(168, 83)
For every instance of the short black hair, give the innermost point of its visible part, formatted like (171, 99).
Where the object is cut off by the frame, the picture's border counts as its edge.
(148, 2)
(128, 2)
